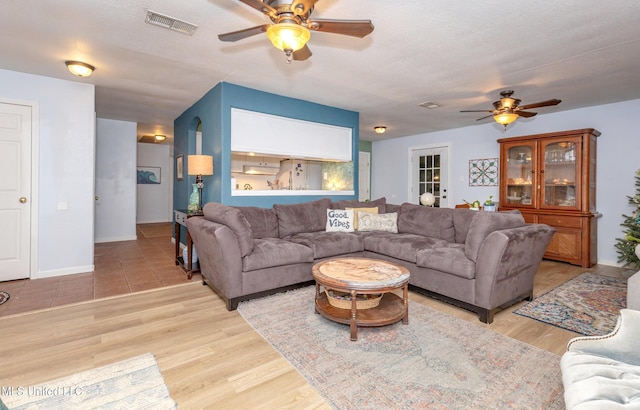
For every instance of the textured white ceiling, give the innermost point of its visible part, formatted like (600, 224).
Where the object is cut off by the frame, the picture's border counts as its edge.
(459, 54)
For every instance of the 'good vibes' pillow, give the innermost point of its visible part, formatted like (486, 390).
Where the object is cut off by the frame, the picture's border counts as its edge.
(339, 220)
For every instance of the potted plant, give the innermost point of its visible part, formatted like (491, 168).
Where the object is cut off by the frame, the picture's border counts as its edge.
(489, 205)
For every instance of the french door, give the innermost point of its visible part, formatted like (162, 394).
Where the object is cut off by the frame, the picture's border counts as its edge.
(430, 173)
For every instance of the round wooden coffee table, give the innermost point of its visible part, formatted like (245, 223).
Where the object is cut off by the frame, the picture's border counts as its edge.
(362, 276)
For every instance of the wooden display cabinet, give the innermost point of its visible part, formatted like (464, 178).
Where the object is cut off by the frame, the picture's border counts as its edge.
(551, 179)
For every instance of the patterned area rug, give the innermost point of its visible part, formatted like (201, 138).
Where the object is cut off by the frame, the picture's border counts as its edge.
(588, 304)
(436, 361)
(4, 296)
(131, 384)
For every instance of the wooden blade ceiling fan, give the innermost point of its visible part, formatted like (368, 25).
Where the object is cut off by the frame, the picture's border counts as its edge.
(292, 24)
(507, 110)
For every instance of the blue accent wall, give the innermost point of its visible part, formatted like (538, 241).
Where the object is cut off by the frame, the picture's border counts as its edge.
(214, 110)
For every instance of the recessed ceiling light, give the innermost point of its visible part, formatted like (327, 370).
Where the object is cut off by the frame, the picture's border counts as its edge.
(430, 105)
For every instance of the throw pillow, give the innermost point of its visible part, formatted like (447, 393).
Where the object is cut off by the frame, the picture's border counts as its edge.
(378, 222)
(339, 220)
(356, 210)
(381, 203)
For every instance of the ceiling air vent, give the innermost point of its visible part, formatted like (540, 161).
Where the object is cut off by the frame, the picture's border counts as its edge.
(430, 105)
(170, 23)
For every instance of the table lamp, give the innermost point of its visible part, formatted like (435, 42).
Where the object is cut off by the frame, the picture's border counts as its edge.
(199, 165)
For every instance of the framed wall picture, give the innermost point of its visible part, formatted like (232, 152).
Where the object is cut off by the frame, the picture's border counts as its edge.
(148, 175)
(179, 168)
(483, 172)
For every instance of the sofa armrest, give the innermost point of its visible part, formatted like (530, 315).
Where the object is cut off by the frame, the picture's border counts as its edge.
(219, 255)
(622, 344)
(507, 263)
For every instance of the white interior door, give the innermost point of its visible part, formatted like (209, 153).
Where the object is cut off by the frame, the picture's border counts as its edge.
(364, 176)
(15, 191)
(430, 173)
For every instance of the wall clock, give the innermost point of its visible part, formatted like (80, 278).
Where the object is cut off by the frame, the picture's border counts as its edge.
(483, 172)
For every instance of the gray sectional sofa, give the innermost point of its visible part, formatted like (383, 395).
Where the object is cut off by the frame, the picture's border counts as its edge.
(481, 261)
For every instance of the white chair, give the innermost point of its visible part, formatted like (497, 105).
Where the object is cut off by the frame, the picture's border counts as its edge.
(603, 372)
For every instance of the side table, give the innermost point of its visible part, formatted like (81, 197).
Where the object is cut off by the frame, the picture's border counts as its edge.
(180, 219)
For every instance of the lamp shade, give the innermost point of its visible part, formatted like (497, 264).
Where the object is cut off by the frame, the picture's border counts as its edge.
(505, 118)
(200, 165)
(427, 199)
(288, 36)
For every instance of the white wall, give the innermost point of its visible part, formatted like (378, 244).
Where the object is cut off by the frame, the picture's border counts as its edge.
(65, 170)
(618, 159)
(155, 202)
(115, 180)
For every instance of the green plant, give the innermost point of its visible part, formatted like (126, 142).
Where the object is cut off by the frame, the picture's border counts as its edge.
(489, 201)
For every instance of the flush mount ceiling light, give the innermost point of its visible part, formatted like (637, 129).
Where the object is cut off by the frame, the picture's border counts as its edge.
(79, 68)
(379, 129)
(160, 138)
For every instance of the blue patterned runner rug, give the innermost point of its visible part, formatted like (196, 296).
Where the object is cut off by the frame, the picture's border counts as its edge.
(588, 304)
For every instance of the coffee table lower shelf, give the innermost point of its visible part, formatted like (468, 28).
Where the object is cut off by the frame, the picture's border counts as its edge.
(390, 310)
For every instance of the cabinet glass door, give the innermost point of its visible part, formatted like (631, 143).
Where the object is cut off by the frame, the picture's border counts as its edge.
(560, 173)
(520, 166)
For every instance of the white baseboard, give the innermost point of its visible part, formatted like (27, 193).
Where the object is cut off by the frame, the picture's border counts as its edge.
(608, 263)
(116, 239)
(153, 222)
(61, 272)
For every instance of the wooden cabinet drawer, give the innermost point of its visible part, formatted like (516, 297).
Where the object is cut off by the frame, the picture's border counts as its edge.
(561, 221)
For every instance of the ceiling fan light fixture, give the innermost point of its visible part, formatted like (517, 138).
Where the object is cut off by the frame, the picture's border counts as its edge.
(288, 36)
(505, 118)
(79, 68)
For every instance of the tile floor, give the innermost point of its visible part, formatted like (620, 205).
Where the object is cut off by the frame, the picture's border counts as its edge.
(120, 267)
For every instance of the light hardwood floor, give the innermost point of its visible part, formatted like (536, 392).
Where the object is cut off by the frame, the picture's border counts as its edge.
(210, 358)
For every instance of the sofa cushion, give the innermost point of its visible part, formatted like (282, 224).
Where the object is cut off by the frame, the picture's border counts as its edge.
(373, 210)
(304, 217)
(449, 259)
(381, 203)
(377, 222)
(340, 220)
(462, 218)
(270, 252)
(235, 220)
(483, 223)
(426, 221)
(327, 244)
(263, 221)
(401, 246)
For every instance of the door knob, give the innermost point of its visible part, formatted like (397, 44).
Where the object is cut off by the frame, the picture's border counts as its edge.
(23, 200)
(97, 197)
